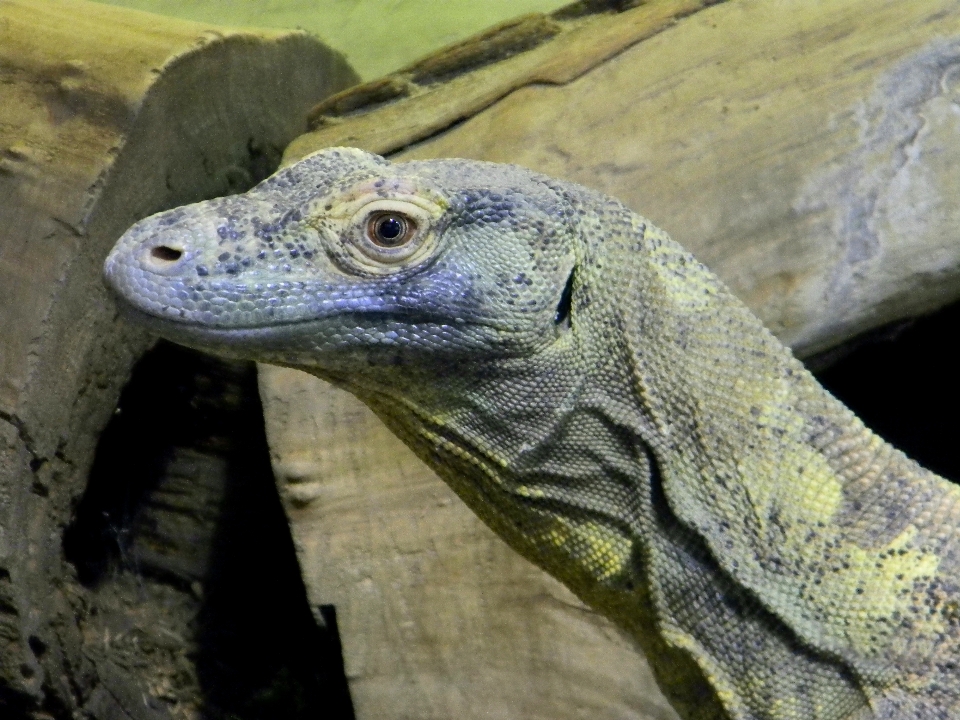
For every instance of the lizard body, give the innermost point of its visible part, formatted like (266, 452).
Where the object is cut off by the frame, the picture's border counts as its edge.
(604, 403)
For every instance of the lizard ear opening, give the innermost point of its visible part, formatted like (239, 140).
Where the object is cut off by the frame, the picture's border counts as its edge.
(566, 301)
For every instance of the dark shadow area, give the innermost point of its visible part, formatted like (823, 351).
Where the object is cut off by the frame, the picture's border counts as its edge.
(15, 705)
(154, 414)
(904, 384)
(182, 542)
(262, 654)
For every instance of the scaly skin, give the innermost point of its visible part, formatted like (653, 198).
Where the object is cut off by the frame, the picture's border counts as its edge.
(601, 401)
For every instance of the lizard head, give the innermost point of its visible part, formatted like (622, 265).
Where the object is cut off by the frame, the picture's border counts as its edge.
(346, 254)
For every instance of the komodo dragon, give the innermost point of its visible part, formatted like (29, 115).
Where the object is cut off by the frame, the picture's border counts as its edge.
(602, 402)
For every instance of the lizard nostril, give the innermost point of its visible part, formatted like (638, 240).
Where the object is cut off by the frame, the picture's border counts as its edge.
(165, 253)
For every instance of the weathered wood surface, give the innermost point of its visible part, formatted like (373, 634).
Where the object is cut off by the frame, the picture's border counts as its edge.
(434, 93)
(806, 151)
(106, 115)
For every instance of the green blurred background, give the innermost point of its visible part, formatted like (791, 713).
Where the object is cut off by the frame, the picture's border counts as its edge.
(376, 36)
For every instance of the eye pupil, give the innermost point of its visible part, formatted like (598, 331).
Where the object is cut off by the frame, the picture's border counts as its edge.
(389, 230)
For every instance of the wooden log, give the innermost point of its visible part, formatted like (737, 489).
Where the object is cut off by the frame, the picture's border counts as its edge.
(106, 116)
(806, 152)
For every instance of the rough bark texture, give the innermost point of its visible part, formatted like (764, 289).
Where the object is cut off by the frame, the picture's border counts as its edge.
(806, 152)
(106, 116)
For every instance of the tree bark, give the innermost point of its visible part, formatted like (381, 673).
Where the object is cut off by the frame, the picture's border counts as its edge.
(106, 116)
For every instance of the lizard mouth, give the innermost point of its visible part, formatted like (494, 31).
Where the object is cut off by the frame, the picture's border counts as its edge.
(161, 323)
(281, 340)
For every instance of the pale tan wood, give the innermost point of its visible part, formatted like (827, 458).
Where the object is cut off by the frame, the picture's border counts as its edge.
(806, 151)
(106, 115)
(421, 101)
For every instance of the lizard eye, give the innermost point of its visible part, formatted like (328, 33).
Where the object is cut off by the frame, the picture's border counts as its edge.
(390, 229)
(383, 235)
(391, 233)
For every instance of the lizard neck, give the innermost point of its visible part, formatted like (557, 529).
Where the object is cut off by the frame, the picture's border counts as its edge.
(837, 534)
(551, 453)
(538, 447)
